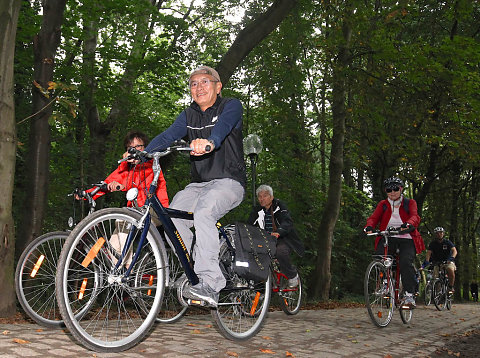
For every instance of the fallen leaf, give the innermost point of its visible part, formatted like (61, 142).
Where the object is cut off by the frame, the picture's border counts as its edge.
(39, 330)
(232, 354)
(192, 325)
(387, 356)
(5, 332)
(208, 326)
(20, 341)
(268, 351)
(288, 354)
(196, 331)
(358, 326)
(266, 337)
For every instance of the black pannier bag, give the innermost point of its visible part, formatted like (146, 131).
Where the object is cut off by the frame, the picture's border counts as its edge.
(254, 250)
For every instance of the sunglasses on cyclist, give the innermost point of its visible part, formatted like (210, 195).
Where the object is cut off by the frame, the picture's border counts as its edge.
(395, 188)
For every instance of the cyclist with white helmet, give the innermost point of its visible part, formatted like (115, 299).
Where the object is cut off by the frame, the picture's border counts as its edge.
(442, 250)
(399, 211)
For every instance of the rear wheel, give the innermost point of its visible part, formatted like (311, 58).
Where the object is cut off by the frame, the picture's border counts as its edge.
(242, 305)
(123, 308)
(172, 308)
(35, 279)
(378, 290)
(290, 297)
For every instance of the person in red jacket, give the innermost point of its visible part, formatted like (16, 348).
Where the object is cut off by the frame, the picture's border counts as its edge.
(398, 211)
(131, 174)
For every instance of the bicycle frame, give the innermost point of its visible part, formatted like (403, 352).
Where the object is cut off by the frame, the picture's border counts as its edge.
(165, 215)
(388, 261)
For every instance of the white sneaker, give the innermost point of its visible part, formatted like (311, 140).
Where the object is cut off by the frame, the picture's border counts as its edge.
(293, 282)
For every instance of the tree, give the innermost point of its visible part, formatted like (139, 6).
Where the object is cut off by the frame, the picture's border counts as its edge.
(45, 47)
(332, 206)
(9, 11)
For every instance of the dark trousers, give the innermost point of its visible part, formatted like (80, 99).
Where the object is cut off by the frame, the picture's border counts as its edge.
(283, 257)
(407, 256)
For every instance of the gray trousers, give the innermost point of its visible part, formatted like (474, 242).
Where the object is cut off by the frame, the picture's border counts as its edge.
(209, 202)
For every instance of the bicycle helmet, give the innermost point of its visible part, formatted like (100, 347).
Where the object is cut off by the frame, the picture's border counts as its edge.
(392, 182)
(439, 229)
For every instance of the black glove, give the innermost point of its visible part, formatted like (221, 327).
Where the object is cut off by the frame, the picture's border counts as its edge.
(408, 227)
(367, 229)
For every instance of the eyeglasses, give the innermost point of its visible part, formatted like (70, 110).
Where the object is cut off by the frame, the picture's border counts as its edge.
(203, 82)
(137, 147)
(395, 188)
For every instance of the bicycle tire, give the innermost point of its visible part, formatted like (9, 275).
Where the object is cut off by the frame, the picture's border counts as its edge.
(123, 311)
(35, 279)
(290, 297)
(406, 314)
(242, 306)
(172, 308)
(439, 294)
(379, 294)
(428, 293)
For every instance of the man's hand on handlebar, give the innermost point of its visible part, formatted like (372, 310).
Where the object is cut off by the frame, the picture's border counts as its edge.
(201, 146)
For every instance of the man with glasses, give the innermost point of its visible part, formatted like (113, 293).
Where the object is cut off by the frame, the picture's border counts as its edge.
(398, 211)
(213, 126)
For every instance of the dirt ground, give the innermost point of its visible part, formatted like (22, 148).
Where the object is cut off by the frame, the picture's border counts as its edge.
(466, 345)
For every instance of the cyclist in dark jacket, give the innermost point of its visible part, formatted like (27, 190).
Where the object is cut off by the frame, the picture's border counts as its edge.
(441, 249)
(213, 125)
(273, 216)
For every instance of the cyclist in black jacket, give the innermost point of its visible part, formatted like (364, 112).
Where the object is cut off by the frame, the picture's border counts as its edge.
(213, 125)
(441, 250)
(273, 216)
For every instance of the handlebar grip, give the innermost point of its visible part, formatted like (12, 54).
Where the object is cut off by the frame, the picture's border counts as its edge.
(117, 187)
(208, 148)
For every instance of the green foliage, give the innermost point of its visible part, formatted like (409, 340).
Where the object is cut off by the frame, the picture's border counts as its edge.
(412, 106)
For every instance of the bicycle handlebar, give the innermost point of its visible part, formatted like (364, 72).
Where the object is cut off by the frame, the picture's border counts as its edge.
(388, 232)
(144, 156)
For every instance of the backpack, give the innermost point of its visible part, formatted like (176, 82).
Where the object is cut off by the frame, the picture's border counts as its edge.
(406, 203)
(254, 250)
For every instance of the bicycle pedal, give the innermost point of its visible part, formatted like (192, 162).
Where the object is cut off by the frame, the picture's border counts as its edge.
(195, 302)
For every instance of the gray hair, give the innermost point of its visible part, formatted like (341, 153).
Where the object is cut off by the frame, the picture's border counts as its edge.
(266, 188)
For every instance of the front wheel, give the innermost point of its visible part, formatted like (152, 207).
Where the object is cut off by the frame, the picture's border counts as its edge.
(242, 305)
(428, 293)
(123, 307)
(290, 297)
(439, 295)
(378, 291)
(35, 279)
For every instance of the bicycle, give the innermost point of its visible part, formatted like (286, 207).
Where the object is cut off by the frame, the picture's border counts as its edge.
(428, 287)
(442, 297)
(290, 297)
(37, 266)
(128, 285)
(382, 285)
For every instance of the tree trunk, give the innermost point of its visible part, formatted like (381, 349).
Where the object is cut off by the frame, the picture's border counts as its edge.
(9, 11)
(45, 46)
(332, 206)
